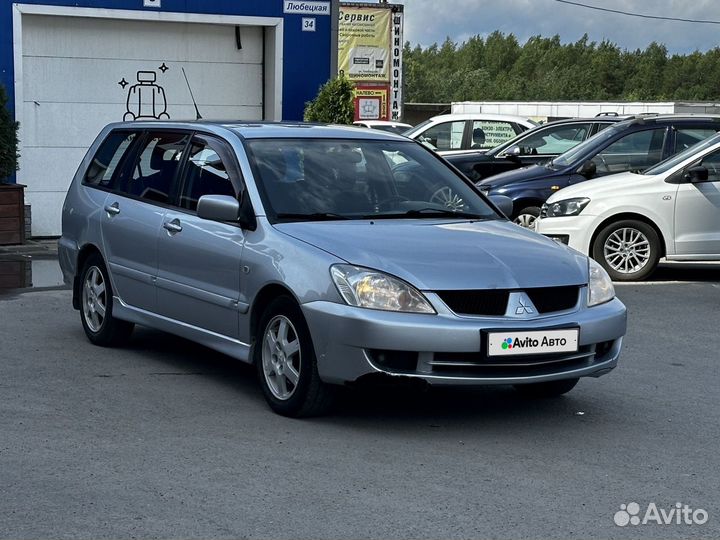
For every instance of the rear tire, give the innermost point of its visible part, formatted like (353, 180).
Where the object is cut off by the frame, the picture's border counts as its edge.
(96, 306)
(286, 365)
(629, 250)
(546, 389)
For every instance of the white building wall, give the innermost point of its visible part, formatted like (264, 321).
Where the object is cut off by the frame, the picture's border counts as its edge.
(542, 110)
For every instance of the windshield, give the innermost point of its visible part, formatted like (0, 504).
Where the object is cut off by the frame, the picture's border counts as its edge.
(670, 162)
(413, 130)
(597, 140)
(330, 179)
(399, 129)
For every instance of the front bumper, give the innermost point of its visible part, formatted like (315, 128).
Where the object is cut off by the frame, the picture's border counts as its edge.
(447, 349)
(574, 231)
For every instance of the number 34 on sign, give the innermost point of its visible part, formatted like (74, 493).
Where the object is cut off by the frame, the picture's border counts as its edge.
(308, 24)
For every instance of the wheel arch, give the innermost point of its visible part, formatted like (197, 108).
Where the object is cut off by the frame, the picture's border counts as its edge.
(624, 216)
(525, 200)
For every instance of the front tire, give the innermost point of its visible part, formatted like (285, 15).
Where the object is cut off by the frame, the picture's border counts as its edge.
(96, 306)
(629, 250)
(527, 217)
(548, 389)
(286, 365)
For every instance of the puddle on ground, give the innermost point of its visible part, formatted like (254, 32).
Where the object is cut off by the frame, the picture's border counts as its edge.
(24, 272)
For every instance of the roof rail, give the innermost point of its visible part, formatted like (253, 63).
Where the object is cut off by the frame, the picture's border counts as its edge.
(608, 113)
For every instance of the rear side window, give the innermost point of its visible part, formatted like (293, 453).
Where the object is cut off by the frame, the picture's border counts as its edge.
(490, 133)
(686, 137)
(153, 173)
(110, 154)
(554, 140)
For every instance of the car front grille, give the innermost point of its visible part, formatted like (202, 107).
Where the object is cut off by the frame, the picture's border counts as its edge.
(549, 299)
(493, 302)
(478, 302)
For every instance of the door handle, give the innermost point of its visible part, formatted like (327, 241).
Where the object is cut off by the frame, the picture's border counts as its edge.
(112, 209)
(172, 226)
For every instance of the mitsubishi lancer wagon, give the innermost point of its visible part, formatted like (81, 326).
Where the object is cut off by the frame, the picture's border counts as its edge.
(323, 255)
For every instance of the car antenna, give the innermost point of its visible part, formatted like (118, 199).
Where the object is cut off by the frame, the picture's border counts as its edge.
(197, 111)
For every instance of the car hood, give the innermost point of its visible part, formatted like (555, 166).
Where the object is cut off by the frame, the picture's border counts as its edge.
(523, 174)
(612, 185)
(446, 255)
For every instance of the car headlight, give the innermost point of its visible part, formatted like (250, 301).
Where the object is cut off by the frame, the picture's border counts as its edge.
(600, 286)
(363, 287)
(567, 207)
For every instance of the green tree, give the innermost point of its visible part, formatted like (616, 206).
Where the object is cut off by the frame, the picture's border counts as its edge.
(333, 104)
(498, 67)
(8, 139)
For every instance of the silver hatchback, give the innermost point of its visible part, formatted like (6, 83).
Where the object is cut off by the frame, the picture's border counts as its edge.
(323, 255)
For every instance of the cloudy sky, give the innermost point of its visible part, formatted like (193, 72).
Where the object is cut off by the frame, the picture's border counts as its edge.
(429, 21)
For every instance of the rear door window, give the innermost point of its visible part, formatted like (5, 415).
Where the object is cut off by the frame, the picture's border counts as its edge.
(105, 165)
(633, 152)
(686, 137)
(153, 174)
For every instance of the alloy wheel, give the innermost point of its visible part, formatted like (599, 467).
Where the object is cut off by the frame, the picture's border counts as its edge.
(627, 250)
(446, 197)
(281, 357)
(526, 220)
(94, 299)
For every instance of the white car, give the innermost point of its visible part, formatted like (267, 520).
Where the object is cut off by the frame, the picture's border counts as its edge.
(628, 221)
(458, 133)
(384, 125)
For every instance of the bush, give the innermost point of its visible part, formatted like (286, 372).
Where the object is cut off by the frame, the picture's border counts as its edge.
(8, 139)
(333, 104)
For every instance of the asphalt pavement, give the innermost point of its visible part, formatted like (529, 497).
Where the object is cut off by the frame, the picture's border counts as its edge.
(167, 439)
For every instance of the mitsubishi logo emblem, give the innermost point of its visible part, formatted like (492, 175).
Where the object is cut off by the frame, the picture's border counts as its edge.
(519, 305)
(523, 308)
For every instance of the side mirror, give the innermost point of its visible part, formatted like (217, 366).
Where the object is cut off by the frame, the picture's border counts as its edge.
(587, 169)
(513, 152)
(218, 208)
(696, 174)
(504, 204)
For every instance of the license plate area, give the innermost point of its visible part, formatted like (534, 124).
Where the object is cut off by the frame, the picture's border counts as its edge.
(532, 342)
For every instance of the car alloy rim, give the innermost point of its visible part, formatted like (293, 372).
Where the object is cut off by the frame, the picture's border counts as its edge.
(448, 199)
(526, 220)
(94, 299)
(281, 357)
(627, 250)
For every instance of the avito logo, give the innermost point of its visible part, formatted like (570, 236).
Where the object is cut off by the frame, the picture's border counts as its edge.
(526, 342)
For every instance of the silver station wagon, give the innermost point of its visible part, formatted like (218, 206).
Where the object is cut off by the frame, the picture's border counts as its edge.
(322, 255)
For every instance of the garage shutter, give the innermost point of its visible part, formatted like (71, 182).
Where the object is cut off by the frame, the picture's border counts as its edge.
(80, 74)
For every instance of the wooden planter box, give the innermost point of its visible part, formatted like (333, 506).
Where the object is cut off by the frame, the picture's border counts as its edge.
(12, 214)
(15, 274)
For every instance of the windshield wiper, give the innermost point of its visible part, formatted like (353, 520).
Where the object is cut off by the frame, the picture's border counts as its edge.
(427, 212)
(315, 216)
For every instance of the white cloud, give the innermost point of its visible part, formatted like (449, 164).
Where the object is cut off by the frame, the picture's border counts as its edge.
(430, 21)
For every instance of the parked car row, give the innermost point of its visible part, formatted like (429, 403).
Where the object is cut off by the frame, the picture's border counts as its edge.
(628, 221)
(608, 186)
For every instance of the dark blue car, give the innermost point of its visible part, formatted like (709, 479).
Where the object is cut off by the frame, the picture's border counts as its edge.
(631, 145)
